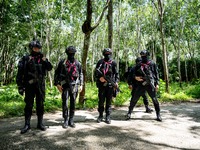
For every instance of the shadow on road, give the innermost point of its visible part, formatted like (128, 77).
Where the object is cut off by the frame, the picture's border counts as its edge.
(141, 132)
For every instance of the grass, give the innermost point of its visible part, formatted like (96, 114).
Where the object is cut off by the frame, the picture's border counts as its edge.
(12, 104)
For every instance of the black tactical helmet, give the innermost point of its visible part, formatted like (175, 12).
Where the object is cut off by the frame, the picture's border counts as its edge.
(70, 49)
(107, 51)
(35, 43)
(144, 53)
(139, 59)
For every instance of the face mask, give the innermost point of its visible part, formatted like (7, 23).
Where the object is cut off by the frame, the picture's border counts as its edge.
(35, 53)
(107, 57)
(71, 57)
(144, 59)
(138, 60)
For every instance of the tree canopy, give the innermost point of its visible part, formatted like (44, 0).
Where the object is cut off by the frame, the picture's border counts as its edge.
(136, 26)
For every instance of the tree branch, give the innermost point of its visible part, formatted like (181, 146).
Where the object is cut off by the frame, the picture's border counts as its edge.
(156, 7)
(101, 16)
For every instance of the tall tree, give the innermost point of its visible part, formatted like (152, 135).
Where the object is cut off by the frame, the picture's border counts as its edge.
(87, 29)
(110, 24)
(160, 9)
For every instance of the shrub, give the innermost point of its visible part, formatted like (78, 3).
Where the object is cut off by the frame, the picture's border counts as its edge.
(194, 91)
(12, 104)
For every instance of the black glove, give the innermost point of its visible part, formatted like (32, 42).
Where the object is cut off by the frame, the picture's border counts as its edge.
(21, 90)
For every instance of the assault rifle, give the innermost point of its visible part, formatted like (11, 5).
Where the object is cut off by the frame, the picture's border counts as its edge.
(148, 79)
(72, 85)
(110, 80)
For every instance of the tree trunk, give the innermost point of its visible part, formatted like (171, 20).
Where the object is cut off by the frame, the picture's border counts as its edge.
(118, 25)
(154, 51)
(186, 73)
(191, 52)
(166, 75)
(160, 9)
(138, 31)
(87, 30)
(84, 66)
(195, 69)
(153, 38)
(180, 32)
(110, 24)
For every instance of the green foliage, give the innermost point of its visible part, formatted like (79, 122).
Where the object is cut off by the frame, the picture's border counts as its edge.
(12, 104)
(161, 88)
(52, 99)
(194, 90)
(91, 96)
(124, 96)
(178, 93)
(8, 93)
(166, 97)
(189, 63)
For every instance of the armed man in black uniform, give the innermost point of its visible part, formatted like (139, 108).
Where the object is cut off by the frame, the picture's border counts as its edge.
(147, 77)
(107, 78)
(30, 79)
(69, 80)
(133, 85)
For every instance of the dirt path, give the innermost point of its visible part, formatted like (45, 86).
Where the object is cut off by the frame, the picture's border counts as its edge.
(180, 129)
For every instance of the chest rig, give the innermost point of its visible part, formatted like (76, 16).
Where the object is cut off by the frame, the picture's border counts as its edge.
(35, 69)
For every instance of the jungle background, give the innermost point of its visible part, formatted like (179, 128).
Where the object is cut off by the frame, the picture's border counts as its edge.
(169, 30)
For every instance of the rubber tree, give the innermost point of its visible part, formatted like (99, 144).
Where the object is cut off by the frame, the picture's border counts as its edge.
(160, 8)
(87, 29)
(110, 24)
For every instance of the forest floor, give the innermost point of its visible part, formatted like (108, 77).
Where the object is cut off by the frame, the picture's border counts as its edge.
(179, 130)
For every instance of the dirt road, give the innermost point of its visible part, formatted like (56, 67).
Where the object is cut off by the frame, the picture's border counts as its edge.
(179, 130)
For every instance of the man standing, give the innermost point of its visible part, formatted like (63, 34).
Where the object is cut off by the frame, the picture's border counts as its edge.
(31, 80)
(146, 75)
(68, 76)
(107, 81)
(133, 85)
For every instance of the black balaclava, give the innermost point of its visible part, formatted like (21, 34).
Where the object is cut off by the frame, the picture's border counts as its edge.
(71, 57)
(33, 53)
(138, 60)
(107, 57)
(144, 59)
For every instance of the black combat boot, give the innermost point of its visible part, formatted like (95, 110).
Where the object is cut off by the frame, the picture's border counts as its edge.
(71, 119)
(40, 124)
(158, 117)
(100, 118)
(71, 122)
(107, 120)
(148, 109)
(128, 116)
(26, 126)
(65, 125)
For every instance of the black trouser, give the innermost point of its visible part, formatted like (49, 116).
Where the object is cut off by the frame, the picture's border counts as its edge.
(105, 94)
(140, 90)
(67, 93)
(144, 96)
(32, 91)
